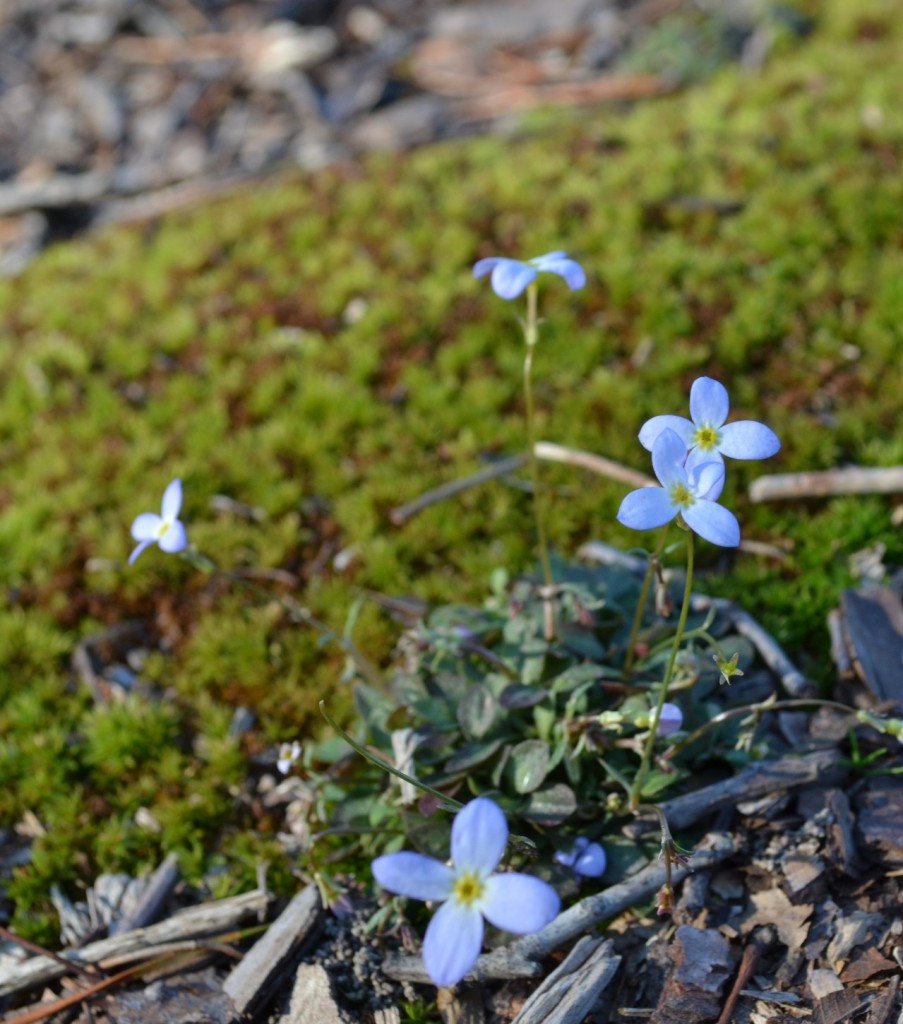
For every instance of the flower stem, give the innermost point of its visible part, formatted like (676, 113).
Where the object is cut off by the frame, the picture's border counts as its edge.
(642, 600)
(646, 760)
(531, 336)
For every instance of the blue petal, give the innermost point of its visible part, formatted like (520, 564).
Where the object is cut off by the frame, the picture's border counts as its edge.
(511, 277)
(478, 837)
(174, 539)
(652, 428)
(709, 402)
(452, 943)
(144, 544)
(713, 522)
(592, 862)
(705, 471)
(482, 267)
(172, 500)
(668, 456)
(646, 509)
(559, 263)
(519, 903)
(670, 720)
(747, 439)
(146, 526)
(411, 874)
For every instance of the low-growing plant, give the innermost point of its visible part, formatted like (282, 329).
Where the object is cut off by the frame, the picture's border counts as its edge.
(561, 704)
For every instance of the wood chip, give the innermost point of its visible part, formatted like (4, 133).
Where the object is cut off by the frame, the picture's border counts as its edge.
(313, 1001)
(569, 993)
(866, 965)
(773, 907)
(702, 965)
(195, 922)
(251, 982)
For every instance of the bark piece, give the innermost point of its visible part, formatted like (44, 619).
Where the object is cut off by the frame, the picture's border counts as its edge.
(757, 780)
(702, 965)
(772, 907)
(250, 983)
(872, 628)
(879, 812)
(833, 1003)
(194, 998)
(866, 966)
(840, 847)
(313, 1001)
(884, 1003)
(569, 993)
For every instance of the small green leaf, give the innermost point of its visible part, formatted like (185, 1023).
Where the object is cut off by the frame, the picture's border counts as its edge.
(476, 713)
(550, 806)
(517, 696)
(528, 765)
(472, 754)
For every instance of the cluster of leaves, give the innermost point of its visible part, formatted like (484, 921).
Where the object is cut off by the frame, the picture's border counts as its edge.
(480, 703)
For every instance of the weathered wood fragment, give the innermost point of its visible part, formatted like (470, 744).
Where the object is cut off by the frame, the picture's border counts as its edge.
(702, 965)
(313, 1001)
(823, 484)
(879, 813)
(250, 984)
(872, 629)
(569, 993)
(206, 919)
(462, 1004)
(757, 780)
(153, 897)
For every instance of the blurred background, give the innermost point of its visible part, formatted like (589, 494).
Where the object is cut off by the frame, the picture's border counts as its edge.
(121, 109)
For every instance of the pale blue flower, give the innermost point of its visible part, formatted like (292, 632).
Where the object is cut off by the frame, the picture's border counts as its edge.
(689, 489)
(670, 720)
(288, 754)
(164, 529)
(468, 890)
(511, 277)
(585, 858)
(707, 434)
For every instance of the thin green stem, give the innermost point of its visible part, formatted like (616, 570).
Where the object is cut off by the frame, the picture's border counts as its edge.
(531, 336)
(445, 801)
(666, 682)
(641, 605)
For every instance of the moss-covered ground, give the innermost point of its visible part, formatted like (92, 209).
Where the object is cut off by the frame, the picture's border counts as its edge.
(316, 349)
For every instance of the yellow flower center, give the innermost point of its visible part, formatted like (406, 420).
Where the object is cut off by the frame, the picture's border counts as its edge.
(682, 496)
(468, 888)
(706, 438)
(162, 528)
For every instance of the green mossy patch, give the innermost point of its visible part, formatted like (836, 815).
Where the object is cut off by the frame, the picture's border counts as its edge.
(316, 349)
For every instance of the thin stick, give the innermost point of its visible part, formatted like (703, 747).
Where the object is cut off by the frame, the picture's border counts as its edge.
(503, 467)
(33, 947)
(848, 480)
(546, 451)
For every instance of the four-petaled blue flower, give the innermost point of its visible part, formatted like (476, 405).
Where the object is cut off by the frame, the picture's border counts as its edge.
(707, 434)
(164, 529)
(585, 858)
(690, 489)
(469, 891)
(511, 277)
